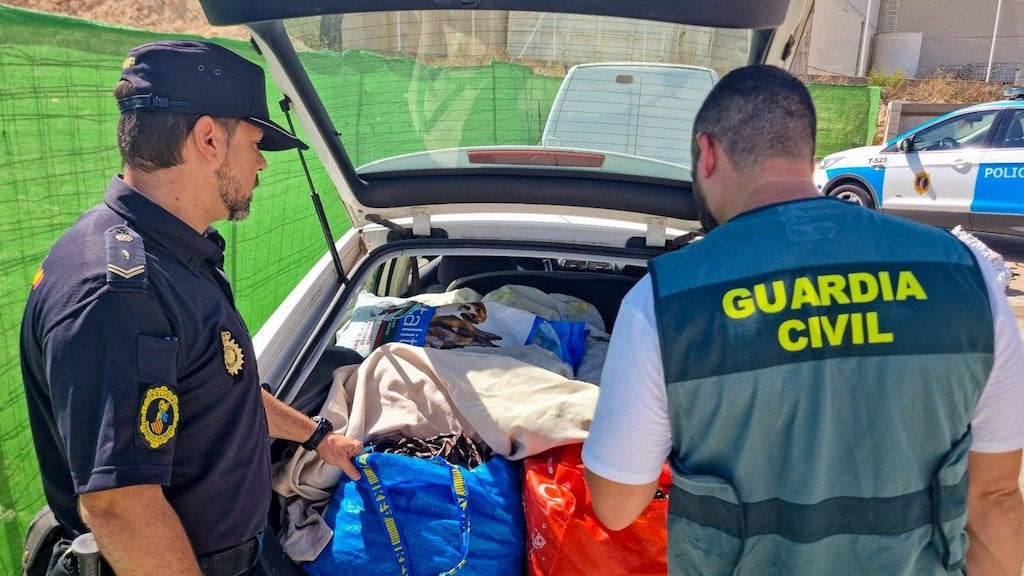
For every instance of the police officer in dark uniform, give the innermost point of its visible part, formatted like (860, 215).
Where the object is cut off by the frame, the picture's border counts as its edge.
(144, 400)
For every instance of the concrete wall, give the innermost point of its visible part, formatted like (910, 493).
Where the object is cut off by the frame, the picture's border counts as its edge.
(957, 36)
(556, 39)
(836, 30)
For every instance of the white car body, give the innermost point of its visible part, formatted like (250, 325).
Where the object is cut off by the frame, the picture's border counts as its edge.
(965, 168)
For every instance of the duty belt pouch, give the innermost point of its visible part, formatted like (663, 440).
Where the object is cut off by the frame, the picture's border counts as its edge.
(43, 534)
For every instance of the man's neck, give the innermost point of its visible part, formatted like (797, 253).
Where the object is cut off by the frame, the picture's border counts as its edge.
(775, 181)
(173, 190)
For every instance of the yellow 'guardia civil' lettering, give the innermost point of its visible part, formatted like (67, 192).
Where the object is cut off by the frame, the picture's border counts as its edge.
(824, 290)
(820, 331)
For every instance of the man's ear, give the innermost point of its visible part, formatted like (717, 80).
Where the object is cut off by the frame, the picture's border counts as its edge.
(708, 159)
(208, 139)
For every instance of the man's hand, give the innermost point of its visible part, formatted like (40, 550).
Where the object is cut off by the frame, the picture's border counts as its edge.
(339, 450)
(288, 423)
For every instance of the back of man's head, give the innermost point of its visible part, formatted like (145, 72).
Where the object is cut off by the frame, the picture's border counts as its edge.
(758, 113)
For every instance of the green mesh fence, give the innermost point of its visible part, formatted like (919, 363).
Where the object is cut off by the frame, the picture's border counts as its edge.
(389, 106)
(847, 116)
(58, 152)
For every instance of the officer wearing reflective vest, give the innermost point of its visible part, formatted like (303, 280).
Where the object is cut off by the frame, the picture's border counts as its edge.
(144, 398)
(823, 379)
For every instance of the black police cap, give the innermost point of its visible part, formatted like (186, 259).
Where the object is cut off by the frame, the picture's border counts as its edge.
(202, 78)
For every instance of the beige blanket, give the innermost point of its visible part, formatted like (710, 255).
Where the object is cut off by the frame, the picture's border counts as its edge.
(515, 408)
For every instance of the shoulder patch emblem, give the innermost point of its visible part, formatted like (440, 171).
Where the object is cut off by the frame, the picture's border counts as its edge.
(38, 278)
(126, 259)
(233, 358)
(158, 416)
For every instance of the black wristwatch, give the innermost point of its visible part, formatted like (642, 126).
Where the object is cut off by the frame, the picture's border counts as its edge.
(323, 428)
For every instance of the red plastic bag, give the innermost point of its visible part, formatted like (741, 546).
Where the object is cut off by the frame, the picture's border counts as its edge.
(564, 538)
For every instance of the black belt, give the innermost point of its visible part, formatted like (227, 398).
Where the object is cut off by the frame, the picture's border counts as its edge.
(232, 561)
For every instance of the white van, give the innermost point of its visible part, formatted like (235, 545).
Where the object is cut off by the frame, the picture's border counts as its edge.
(641, 109)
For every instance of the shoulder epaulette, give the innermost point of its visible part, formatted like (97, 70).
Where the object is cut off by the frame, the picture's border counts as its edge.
(126, 259)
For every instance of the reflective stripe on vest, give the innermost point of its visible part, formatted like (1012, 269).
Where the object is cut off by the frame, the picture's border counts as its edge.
(810, 523)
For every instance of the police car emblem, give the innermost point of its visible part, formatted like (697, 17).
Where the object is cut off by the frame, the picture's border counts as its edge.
(158, 416)
(922, 181)
(233, 358)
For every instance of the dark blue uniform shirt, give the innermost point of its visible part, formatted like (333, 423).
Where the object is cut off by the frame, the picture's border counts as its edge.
(139, 370)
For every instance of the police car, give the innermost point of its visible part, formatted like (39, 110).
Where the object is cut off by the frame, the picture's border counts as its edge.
(964, 168)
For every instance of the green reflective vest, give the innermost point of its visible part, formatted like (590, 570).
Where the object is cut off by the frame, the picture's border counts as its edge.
(822, 363)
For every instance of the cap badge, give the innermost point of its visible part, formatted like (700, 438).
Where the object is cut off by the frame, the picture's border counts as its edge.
(128, 62)
(158, 416)
(233, 358)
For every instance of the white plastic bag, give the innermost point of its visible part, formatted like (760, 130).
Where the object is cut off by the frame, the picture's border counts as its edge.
(1002, 271)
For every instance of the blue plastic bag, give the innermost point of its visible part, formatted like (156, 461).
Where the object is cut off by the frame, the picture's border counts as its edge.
(416, 516)
(566, 339)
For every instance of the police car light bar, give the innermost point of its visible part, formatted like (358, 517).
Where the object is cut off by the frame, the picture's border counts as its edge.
(1015, 93)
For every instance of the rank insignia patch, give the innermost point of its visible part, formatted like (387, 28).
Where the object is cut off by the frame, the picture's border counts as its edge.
(158, 416)
(126, 259)
(233, 358)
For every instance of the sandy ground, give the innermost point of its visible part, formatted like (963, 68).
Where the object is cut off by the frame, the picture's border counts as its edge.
(180, 16)
(1016, 292)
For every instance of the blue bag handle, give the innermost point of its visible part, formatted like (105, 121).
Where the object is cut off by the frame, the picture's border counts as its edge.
(386, 512)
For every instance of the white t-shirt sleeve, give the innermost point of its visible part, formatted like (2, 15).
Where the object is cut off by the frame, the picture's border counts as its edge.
(997, 424)
(630, 435)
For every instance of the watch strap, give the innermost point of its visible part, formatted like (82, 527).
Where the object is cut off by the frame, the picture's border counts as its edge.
(323, 428)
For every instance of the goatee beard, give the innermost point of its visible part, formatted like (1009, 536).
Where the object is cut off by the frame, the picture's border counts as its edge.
(232, 195)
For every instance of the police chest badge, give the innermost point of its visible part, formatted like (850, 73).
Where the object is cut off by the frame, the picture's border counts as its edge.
(233, 358)
(158, 416)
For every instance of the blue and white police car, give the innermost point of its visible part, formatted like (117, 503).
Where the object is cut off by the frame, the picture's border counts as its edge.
(966, 168)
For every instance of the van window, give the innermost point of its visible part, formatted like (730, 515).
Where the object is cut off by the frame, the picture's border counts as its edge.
(637, 109)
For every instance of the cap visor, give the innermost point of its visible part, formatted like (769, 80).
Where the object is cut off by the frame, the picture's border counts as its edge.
(275, 137)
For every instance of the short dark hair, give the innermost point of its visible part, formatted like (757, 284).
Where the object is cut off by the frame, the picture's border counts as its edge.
(757, 113)
(149, 141)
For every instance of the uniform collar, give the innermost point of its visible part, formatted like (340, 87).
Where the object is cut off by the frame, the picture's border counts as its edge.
(155, 224)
